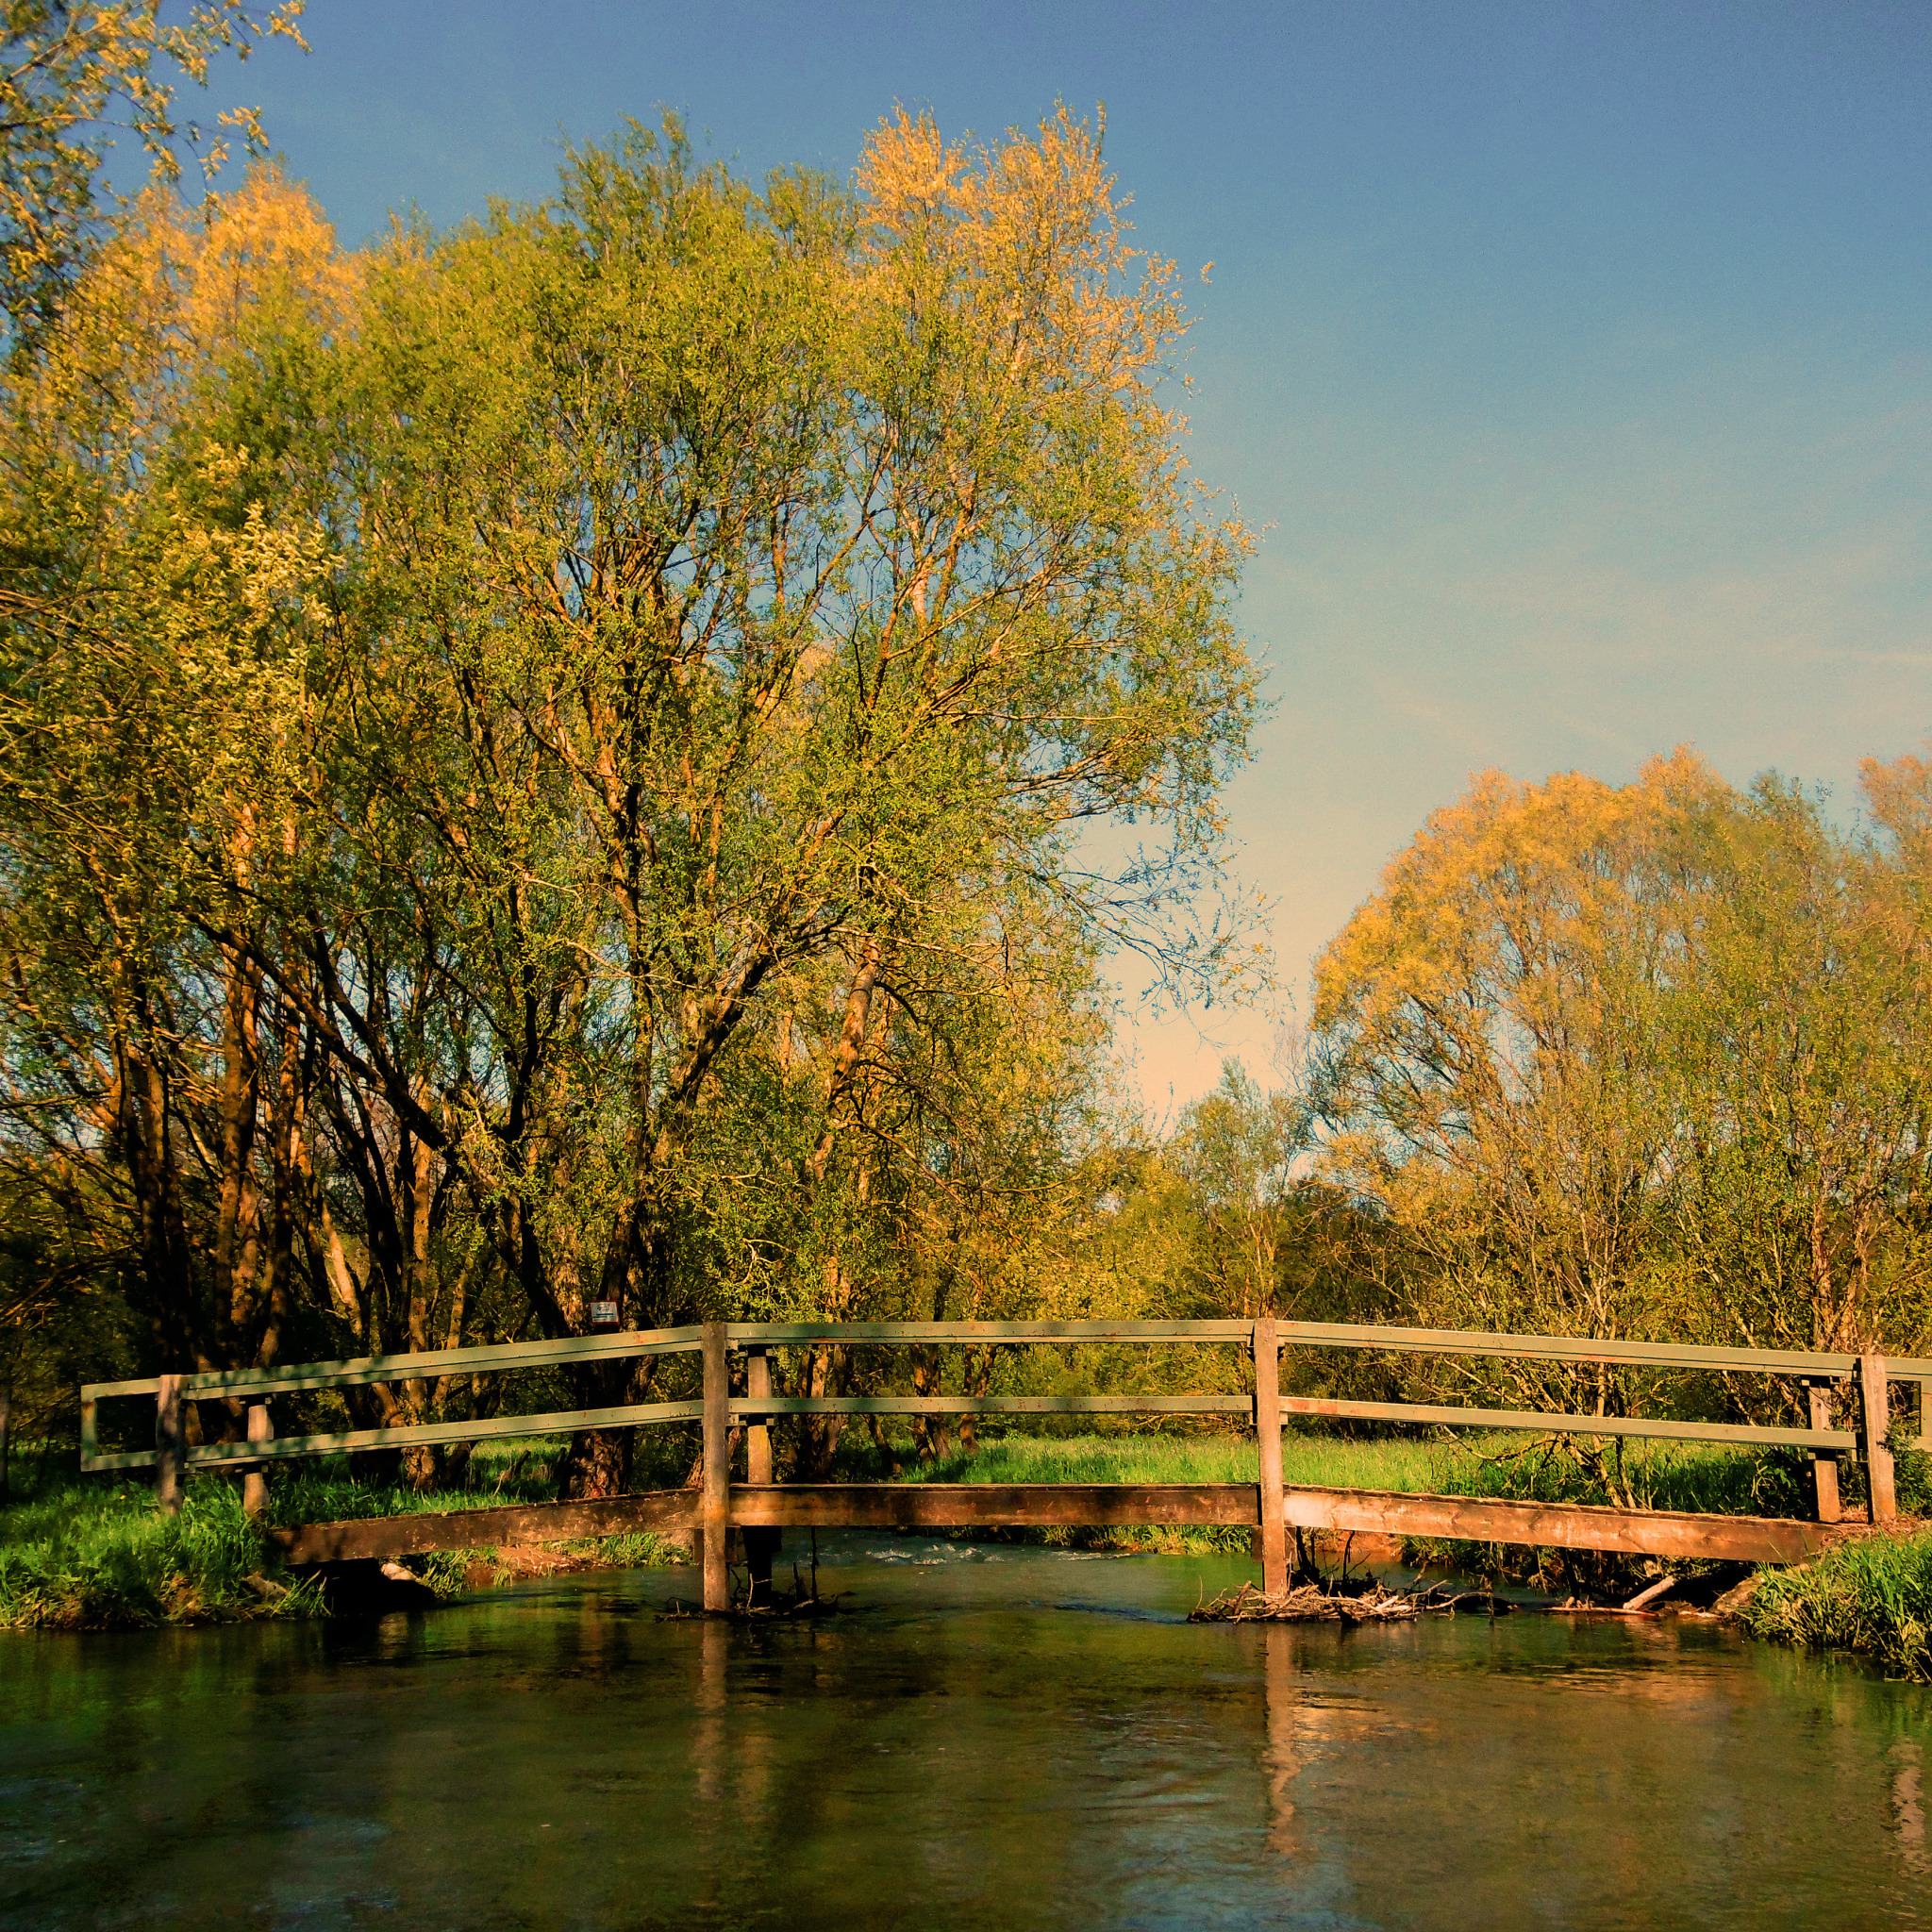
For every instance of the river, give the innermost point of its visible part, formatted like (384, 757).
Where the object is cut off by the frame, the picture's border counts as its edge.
(986, 1736)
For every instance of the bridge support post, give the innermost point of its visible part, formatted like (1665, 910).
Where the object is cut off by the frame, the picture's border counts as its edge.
(255, 1484)
(1268, 1442)
(171, 1444)
(714, 1498)
(1874, 1408)
(760, 1545)
(1823, 1461)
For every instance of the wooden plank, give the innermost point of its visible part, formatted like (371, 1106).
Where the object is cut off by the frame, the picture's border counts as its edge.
(1458, 1416)
(514, 1355)
(942, 1505)
(470, 1529)
(1268, 1446)
(1567, 1526)
(714, 1507)
(1565, 1348)
(1825, 1462)
(1875, 1415)
(991, 1405)
(758, 1438)
(786, 1334)
(509, 1356)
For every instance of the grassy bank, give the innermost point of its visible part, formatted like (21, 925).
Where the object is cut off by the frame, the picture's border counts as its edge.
(86, 1556)
(90, 1554)
(1873, 1595)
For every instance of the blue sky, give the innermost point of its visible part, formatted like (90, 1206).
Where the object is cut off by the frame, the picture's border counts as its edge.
(1575, 361)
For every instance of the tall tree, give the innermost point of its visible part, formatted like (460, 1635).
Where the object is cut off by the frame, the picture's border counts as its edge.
(742, 580)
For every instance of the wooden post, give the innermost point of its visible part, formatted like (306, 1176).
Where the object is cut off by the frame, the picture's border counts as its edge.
(714, 1504)
(1268, 1442)
(1874, 1413)
(1823, 1461)
(171, 1444)
(255, 1484)
(760, 1545)
(1925, 1416)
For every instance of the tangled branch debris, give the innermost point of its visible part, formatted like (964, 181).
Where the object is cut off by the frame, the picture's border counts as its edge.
(1328, 1603)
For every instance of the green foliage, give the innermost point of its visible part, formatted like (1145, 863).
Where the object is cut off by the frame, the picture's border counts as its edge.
(1871, 1594)
(68, 77)
(1643, 1062)
(88, 1558)
(614, 692)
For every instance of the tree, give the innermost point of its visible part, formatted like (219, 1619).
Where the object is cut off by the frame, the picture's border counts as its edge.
(1236, 1151)
(69, 74)
(1644, 1061)
(1799, 1039)
(153, 714)
(738, 585)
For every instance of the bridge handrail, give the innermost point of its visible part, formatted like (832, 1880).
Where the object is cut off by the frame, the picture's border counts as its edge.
(506, 1355)
(402, 1368)
(758, 1337)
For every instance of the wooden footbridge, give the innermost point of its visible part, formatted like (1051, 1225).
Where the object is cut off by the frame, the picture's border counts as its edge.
(760, 1509)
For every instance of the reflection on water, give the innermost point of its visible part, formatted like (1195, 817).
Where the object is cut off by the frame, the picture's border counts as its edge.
(990, 1736)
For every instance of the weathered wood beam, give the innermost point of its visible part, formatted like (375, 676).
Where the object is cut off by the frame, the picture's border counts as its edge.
(1268, 1457)
(949, 1506)
(389, 1368)
(960, 1505)
(283, 1448)
(714, 1505)
(471, 1529)
(171, 1443)
(1825, 1461)
(889, 1334)
(1562, 1527)
(745, 1406)
(1455, 1415)
(1875, 1427)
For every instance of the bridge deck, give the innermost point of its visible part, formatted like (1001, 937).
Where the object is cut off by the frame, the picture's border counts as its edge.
(950, 1505)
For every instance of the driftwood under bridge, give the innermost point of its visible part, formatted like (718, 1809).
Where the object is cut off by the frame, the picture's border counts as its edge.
(760, 1509)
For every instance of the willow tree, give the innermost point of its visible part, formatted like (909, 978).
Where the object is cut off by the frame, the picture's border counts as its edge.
(1802, 1202)
(1489, 1027)
(1646, 1061)
(735, 581)
(154, 606)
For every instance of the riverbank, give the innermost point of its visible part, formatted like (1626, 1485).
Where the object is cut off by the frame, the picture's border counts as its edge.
(1871, 1594)
(85, 1554)
(92, 1554)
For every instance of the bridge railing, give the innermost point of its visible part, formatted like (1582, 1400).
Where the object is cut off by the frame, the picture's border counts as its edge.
(759, 1406)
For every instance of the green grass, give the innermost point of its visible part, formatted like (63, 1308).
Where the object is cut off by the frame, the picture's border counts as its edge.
(86, 1556)
(93, 1553)
(1873, 1595)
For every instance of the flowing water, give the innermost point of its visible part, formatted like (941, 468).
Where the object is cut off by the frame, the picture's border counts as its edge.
(996, 1737)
